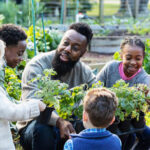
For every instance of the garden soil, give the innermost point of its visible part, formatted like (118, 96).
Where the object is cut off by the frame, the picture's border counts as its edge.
(96, 60)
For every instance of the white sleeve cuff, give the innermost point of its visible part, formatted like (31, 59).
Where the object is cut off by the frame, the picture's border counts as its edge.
(34, 108)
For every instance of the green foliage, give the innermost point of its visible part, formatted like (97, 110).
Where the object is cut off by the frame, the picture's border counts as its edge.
(102, 32)
(52, 37)
(140, 27)
(54, 93)
(146, 62)
(147, 119)
(19, 14)
(12, 83)
(1, 19)
(9, 10)
(117, 56)
(71, 102)
(132, 100)
(51, 89)
(20, 69)
(24, 16)
(99, 84)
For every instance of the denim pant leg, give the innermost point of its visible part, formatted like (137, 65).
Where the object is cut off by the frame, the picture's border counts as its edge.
(38, 136)
(144, 139)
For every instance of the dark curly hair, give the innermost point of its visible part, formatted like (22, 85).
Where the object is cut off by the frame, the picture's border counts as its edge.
(83, 29)
(133, 41)
(12, 34)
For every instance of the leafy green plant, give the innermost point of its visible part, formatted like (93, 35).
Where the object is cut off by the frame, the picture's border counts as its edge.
(1, 19)
(102, 32)
(9, 10)
(71, 103)
(117, 56)
(140, 27)
(146, 63)
(147, 119)
(24, 15)
(132, 100)
(12, 83)
(52, 38)
(51, 89)
(54, 93)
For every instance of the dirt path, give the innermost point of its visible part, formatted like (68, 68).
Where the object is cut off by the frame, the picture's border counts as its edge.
(96, 60)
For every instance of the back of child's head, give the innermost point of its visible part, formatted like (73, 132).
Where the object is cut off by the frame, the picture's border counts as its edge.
(133, 41)
(100, 104)
(2, 49)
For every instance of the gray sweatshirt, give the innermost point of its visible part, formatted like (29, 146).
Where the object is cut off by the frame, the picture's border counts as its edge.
(110, 74)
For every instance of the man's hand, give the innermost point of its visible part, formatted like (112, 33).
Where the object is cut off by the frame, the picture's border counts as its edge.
(65, 128)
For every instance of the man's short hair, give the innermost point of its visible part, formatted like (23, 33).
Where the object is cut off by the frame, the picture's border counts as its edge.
(12, 34)
(100, 104)
(83, 29)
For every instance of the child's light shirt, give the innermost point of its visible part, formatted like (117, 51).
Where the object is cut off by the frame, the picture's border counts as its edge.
(122, 74)
(69, 144)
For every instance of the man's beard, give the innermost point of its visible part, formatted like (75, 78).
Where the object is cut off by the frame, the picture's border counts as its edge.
(60, 66)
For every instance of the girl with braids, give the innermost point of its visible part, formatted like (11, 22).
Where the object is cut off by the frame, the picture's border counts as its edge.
(131, 71)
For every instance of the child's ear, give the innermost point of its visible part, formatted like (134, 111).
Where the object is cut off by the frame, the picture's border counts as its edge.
(112, 121)
(85, 116)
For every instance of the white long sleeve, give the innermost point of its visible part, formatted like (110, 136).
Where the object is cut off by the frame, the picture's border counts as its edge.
(13, 112)
(17, 112)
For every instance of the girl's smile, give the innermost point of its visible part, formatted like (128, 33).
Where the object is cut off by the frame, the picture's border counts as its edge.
(132, 57)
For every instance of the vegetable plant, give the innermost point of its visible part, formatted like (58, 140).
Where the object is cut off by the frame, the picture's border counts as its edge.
(132, 100)
(12, 83)
(49, 90)
(52, 38)
(54, 93)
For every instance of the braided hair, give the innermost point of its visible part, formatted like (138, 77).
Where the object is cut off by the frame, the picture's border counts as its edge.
(133, 41)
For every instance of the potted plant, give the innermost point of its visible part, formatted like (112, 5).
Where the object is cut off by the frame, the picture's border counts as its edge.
(140, 123)
(114, 127)
(57, 95)
(50, 91)
(132, 101)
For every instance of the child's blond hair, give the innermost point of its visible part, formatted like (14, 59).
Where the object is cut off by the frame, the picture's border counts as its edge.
(2, 48)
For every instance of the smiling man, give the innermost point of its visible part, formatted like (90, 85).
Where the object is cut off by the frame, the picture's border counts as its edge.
(66, 62)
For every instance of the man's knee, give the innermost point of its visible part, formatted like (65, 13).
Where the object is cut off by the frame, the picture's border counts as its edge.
(38, 136)
(43, 131)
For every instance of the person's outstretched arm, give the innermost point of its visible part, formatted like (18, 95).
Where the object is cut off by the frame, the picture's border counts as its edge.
(17, 112)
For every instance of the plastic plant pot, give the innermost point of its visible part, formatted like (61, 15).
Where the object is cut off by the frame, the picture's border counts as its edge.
(45, 116)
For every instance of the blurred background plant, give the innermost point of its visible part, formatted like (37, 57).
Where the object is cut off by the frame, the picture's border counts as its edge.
(52, 38)
(19, 14)
(1, 19)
